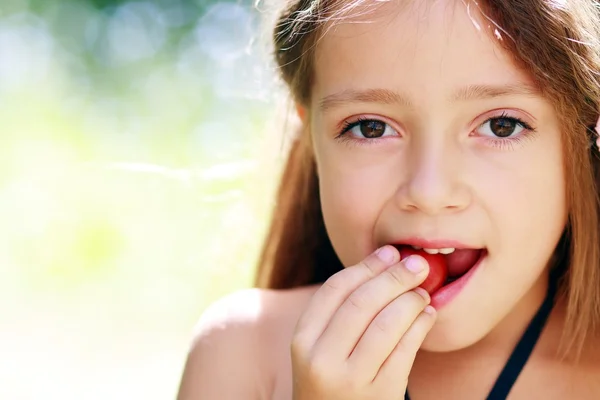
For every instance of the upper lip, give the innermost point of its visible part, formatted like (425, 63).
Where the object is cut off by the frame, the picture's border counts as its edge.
(434, 243)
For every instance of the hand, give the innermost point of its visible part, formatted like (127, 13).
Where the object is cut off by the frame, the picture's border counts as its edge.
(360, 333)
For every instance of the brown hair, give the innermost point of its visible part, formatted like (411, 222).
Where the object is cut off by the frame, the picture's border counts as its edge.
(557, 42)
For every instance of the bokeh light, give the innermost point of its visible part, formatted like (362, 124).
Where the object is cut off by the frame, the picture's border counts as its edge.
(137, 165)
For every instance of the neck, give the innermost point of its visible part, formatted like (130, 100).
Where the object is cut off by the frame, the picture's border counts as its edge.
(505, 336)
(501, 341)
(476, 367)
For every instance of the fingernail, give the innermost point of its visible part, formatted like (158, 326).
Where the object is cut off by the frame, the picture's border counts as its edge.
(414, 264)
(429, 310)
(387, 254)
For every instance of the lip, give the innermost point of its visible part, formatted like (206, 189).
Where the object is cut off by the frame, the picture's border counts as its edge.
(447, 293)
(434, 243)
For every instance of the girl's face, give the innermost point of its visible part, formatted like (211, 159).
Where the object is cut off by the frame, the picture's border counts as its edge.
(424, 129)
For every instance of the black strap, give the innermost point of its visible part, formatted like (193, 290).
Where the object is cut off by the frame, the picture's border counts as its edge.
(522, 351)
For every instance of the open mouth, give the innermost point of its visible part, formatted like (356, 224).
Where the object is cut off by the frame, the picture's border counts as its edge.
(446, 265)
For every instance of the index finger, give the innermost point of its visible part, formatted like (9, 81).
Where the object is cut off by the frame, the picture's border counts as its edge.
(330, 296)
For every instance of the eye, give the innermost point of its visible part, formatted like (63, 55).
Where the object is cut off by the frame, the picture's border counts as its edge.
(502, 127)
(368, 129)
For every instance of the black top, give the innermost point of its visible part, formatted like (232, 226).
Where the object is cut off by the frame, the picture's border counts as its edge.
(523, 349)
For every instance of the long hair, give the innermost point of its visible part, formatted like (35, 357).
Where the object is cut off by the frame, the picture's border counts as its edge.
(557, 43)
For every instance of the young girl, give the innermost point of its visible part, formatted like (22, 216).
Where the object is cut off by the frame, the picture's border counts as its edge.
(458, 136)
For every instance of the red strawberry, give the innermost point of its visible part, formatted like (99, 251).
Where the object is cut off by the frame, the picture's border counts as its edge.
(438, 270)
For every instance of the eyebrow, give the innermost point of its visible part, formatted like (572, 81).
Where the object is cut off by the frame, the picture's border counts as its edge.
(482, 92)
(386, 96)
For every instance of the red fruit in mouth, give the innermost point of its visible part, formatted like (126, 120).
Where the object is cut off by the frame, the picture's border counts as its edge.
(438, 269)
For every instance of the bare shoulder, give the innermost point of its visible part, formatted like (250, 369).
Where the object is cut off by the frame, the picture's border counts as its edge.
(238, 341)
(552, 374)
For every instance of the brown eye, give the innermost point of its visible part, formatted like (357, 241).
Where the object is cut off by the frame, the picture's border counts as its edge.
(368, 129)
(503, 127)
(364, 129)
(372, 129)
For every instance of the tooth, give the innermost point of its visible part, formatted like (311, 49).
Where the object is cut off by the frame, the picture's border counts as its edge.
(416, 247)
(431, 251)
(447, 250)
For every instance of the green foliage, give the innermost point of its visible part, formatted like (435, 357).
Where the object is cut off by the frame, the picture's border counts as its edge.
(136, 176)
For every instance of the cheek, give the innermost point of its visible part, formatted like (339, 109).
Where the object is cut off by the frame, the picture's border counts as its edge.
(526, 202)
(526, 218)
(352, 197)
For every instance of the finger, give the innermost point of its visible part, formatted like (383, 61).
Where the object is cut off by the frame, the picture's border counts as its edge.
(384, 333)
(336, 289)
(401, 360)
(353, 317)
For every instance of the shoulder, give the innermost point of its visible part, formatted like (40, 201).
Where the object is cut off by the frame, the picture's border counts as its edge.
(248, 314)
(238, 337)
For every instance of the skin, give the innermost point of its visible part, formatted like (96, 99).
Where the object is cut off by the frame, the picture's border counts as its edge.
(438, 173)
(438, 176)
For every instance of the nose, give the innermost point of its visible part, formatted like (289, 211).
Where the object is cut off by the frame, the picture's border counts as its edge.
(434, 182)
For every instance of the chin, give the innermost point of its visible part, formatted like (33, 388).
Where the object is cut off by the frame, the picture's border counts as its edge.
(447, 337)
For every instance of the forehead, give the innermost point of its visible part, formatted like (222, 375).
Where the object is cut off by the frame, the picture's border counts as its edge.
(424, 48)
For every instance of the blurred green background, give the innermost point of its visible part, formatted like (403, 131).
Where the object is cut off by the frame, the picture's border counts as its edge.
(138, 156)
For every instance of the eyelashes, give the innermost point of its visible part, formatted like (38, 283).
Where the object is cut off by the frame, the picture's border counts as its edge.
(368, 128)
(503, 122)
(502, 131)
